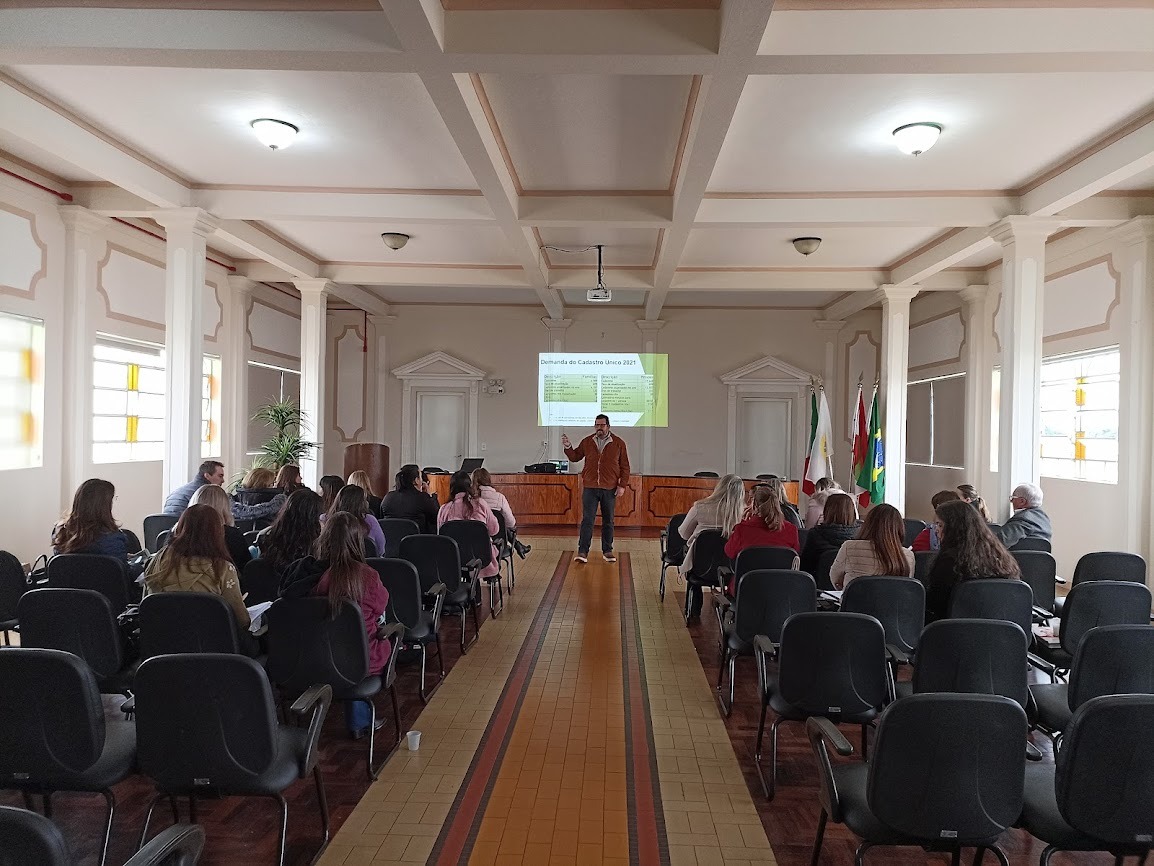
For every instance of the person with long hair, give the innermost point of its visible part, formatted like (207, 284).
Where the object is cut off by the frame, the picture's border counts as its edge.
(838, 525)
(722, 509)
(288, 479)
(336, 569)
(216, 499)
(351, 500)
(970, 494)
(410, 499)
(360, 478)
(823, 488)
(293, 533)
(764, 525)
(257, 487)
(969, 551)
(464, 504)
(498, 504)
(328, 487)
(89, 526)
(878, 549)
(788, 509)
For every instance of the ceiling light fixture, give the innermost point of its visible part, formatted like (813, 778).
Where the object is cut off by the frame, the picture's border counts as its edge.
(274, 134)
(917, 138)
(806, 246)
(394, 240)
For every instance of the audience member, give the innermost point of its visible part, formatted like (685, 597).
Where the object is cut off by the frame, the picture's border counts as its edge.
(294, 532)
(216, 499)
(878, 549)
(970, 494)
(351, 500)
(788, 509)
(498, 504)
(722, 509)
(209, 472)
(288, 479)
(823, 488)
(257, 487)
(969, 551)
(89, 526)
(196, 560)
(928, 538)
(838, 525)
(763, 526)
(1029, 520)
(411, 500)
(337, 570)
(361, 478)
(330, 486)
(464, 505)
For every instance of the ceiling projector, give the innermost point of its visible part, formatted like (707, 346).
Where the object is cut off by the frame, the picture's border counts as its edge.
(599, 295)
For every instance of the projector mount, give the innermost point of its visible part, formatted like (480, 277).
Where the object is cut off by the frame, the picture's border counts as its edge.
(601, 294)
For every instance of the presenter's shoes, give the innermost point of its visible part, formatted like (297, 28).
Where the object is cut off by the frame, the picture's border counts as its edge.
(609, 557)
(581, 557)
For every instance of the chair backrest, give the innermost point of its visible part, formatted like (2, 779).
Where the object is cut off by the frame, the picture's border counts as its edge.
(995, 598)
(306, 645)
(502, 534)
(975, 656)
(77, 621)
(51, 718)
(105, 574)
(767, 597)
(674, 543)
(833, 663)
(472, 539)
(706, 474)
(13, 584)
(401, 579)
(131, 541)
(154, 524)
(396, 529)
(260, 581)
(708, 556)
(162, 539)
(204, 721)
(1039, 569)
(923, 562)
(913, 528)
(1031, 542)
(1095, 603)
(802, 535)
(898, 603)
(30, 838)
(971, 746)
(1110, 565)
(762, 558)
(186, 622)
(1112, 660)
(436, 559)
(1105, 769)
(824, 565)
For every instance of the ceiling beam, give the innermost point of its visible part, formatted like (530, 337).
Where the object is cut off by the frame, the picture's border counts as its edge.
(853, 303)
(272, 250)
(416, 206)
(946, 253)
(361, 298)
(783, 279)
(942, 210)
(610, 211)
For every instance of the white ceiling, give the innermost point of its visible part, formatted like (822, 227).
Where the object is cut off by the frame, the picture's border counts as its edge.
(428, 244)
(42, 158)
(778, 300)
(866, 247)
(622, 247)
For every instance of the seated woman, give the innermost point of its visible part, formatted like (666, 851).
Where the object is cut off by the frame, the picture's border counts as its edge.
(328, 487)
(823, 488)
(293, 533)
(90, 527)
(288, 479)
(838, 525)
(969, 551)
(351, 500)
(464, 505)
(215, 498)
(970, 494)
(788, 509)
(411, 500)
(196, 560)
(498, 504)
(361, 479)
(877, 549)
(337, 570)
(722, 509)
(763, 526)
(928, 539)
(257, 487)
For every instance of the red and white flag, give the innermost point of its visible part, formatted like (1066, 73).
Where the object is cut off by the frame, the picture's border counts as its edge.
(859, 430)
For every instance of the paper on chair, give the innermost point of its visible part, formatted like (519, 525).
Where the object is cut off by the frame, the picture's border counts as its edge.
(255, 613)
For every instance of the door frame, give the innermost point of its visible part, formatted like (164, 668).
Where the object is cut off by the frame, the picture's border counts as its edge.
(790, 403)
(419, 392)
(438, 372)
(768, 377)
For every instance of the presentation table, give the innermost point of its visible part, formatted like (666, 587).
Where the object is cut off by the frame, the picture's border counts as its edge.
(555, 500)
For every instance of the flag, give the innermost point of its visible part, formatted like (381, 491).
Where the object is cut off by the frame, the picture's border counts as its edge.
(860, 433)
(876, 463)
(819, 463)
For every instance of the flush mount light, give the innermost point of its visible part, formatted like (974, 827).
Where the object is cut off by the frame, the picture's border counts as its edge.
(916, 138)
(806, 246)
(394, 240)
(274, 134)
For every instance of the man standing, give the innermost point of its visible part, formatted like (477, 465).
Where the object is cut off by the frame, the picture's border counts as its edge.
(1029, 520)
(603, 479)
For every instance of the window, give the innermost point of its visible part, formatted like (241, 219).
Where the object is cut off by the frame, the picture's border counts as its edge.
(267, 384)
(935, 411)
(210, 408)
(21, 392)
(1079, 403)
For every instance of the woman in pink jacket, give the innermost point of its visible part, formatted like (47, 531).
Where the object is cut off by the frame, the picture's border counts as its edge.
(463, 504)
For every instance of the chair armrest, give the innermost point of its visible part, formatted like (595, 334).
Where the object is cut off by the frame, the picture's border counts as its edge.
(437, 588)
(762, 644)
(1041, 664)
(723, 604)
(823, 733)
(184, 842)
(724, 572)
(473, 566)
(317, 699)
(897, 655)
(389, 629)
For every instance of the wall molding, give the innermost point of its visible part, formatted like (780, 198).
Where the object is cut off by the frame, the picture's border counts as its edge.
(30, 292)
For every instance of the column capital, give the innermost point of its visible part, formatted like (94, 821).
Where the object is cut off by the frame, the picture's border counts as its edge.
(193, 219)
(829, 324)
(319, 287)
(240, 285)
(556, 324)
(1023, 228)
(891, 293)
(974, 294)
(81, 219)
(1139, 230)
(650, 326)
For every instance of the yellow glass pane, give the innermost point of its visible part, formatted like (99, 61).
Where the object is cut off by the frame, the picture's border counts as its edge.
(131, 427)
(133, 378)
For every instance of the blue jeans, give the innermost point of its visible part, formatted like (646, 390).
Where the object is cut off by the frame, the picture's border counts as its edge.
(358, 715)
(590, 497)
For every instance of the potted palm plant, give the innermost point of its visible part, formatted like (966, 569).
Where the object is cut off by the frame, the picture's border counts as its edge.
(286, 446)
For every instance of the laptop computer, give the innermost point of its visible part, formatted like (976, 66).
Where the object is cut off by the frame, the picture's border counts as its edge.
(471, 463)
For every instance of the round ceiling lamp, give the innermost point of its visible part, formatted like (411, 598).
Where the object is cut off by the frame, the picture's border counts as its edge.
(917, 138)
(806, 246)
(274, 134)
(394, 240)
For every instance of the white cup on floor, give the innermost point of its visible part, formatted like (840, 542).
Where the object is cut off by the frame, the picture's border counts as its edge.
(414, 740)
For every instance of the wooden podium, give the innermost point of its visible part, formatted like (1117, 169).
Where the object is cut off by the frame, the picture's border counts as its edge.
(373, 458)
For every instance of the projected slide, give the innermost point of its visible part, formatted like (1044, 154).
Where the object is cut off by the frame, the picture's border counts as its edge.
(573, 388)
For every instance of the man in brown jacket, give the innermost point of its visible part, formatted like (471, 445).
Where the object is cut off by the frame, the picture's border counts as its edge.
(603, 479)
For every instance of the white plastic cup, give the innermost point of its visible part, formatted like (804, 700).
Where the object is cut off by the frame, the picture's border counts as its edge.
(414, 740)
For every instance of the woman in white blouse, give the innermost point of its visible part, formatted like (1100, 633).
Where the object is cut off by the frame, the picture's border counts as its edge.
(877, 550)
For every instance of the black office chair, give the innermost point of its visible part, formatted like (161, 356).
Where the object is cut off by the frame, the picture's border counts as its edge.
(995, 598)
(13, 584)
(259, 581)
(830, 664)
(504, 541)
(438, 561)
(162, 539)
(923, 562)
(802, 535)
(186, 622)
(105, 574)
(913, 528)
(206, 726)
(406, 606)
(396, 529)
(971, 656)
(1039, 569)
(765, 476)
(154, 524)
(131, 541)
(1106, 565)
(821, 573)
(434, 470)
(1096, 794)
(1110, 660)
(1031, 543)
(766, 598)
(711, 569)
(1092, 604)
(672, 549)
(53, 734)
(898, 603)
(970, 745)
(473, 542)
(762, 558)
(705, 474)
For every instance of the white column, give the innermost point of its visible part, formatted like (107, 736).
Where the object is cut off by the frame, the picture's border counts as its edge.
(186, 230)
(379, 374)
(234, 387)
(314, 325)
(1134, 259)
(85, 246)
(831, 328)
(979, 384)
(649, 329)
(894, 377)
(1023, 241)
(551, 437)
